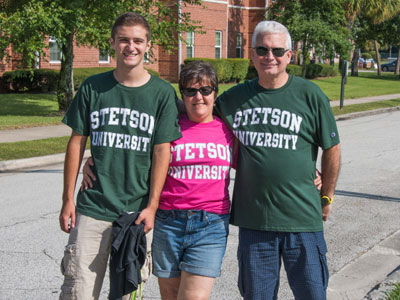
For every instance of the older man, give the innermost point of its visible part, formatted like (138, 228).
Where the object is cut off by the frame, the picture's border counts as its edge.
(281, 120)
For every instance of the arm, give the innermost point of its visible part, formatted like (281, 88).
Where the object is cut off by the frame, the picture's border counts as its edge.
(330, 166)
(159, 169)
(73, 158)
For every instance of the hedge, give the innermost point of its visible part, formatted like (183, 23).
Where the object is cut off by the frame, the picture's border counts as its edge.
(45, 80)
(30, 80)
(312, 71)
(228, 69)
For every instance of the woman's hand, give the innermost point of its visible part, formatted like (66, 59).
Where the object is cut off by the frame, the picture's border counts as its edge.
(88, 175)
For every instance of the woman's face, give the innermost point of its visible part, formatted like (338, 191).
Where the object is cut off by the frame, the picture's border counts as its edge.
(199, 104)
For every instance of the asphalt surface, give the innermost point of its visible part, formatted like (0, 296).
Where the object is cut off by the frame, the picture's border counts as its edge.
(367, 276)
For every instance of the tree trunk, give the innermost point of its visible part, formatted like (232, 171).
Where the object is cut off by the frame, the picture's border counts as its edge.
(378, 59)
(396, 71)
(354, 64)
(65, 89)
(295, 52)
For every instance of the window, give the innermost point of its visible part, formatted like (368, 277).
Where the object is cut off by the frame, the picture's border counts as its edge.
(55, 52)
(239, 53)
(218, 44)
(190, 44)
(104, 57)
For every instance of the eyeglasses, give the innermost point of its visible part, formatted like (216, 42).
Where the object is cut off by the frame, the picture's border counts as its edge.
(204, 90)
(263, 51)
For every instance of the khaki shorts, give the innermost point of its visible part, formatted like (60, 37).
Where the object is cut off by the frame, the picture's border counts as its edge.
(86, 258)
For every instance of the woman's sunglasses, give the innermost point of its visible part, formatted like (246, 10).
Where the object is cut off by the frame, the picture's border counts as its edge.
(263, 51)
(204, 90)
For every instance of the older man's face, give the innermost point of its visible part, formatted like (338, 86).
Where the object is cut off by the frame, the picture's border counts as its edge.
(270, 65)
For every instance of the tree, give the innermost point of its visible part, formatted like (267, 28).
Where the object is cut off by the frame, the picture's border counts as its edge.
(389, 32)
(27, 25)
(317, 24)
(376, 10)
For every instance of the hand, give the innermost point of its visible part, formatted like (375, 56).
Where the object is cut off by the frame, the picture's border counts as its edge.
(67, 214)
(326, 211)
(88, 175)
(147, 217)
(318, 179)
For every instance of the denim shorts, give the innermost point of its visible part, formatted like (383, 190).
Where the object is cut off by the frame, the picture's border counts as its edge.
(190, 240)
(303, 254)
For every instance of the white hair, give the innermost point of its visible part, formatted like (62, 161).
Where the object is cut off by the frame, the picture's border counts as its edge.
(266, 27)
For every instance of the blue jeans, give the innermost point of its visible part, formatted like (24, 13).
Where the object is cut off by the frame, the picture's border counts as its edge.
(190, 240)
(303, 254)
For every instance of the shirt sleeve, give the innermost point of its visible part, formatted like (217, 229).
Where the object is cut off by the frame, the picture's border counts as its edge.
(167, 128)
(77, 115)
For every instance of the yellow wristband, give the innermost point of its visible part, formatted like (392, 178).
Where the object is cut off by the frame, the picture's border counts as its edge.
(326, 200)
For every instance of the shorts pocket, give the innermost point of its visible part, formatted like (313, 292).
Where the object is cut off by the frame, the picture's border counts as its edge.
(163, 215)
(240, 283)
(324, 265)
(67, 265)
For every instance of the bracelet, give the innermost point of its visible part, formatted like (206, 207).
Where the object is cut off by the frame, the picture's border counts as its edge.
(326, 200)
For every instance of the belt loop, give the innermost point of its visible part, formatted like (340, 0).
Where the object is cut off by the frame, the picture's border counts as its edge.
(203, 215)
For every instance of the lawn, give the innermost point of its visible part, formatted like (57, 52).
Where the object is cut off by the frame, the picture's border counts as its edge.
(365, 85)
(28, 110)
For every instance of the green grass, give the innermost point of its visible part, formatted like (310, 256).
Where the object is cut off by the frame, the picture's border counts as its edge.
(365, 85)
(365, 106)
(28, 110)
(42, 147)
(394, 294)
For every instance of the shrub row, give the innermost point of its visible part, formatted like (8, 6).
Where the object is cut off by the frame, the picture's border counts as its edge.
(30, 80)
(228, 69)
(45, 80)
(312, 71)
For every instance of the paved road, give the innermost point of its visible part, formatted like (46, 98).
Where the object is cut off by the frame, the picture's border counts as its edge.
(366, 215)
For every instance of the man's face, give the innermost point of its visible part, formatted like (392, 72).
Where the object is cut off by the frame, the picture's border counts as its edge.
(271, 65)
(130, 44)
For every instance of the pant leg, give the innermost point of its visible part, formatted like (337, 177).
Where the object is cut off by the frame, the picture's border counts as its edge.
(259, 264)
(85, 258)
(304, 258)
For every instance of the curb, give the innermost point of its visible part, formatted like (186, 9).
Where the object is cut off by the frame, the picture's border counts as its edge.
(366, 113)
(34, 162)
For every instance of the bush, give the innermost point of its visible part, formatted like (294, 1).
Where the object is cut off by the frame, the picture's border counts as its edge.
(24, 80)
(239, 68)
(320, 70)
(366, 55)
(251, 73)
(294, 69)
(228, 69)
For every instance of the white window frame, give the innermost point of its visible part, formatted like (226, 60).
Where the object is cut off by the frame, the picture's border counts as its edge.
(240, 46)
(102, 61)
(190, 44)
(54, 41)
(218, 47)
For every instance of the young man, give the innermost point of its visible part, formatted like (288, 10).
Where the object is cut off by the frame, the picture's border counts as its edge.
(280, 121)
(131, 118)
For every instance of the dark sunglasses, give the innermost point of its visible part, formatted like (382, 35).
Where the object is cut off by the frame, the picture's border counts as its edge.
(204, 90)
(263, 51)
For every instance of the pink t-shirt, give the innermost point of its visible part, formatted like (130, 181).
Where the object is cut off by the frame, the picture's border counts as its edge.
(198, 174)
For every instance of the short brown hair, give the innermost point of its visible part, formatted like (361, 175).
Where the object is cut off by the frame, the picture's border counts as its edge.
(131, 19)
(198, 71)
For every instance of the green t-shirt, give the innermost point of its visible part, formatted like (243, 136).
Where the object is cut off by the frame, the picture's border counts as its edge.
(124, 123)
(279, 131)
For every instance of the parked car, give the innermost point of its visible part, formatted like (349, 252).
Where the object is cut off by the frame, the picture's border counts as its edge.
(391, 67)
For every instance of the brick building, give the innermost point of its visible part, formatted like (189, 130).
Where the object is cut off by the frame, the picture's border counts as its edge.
(228, 27)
